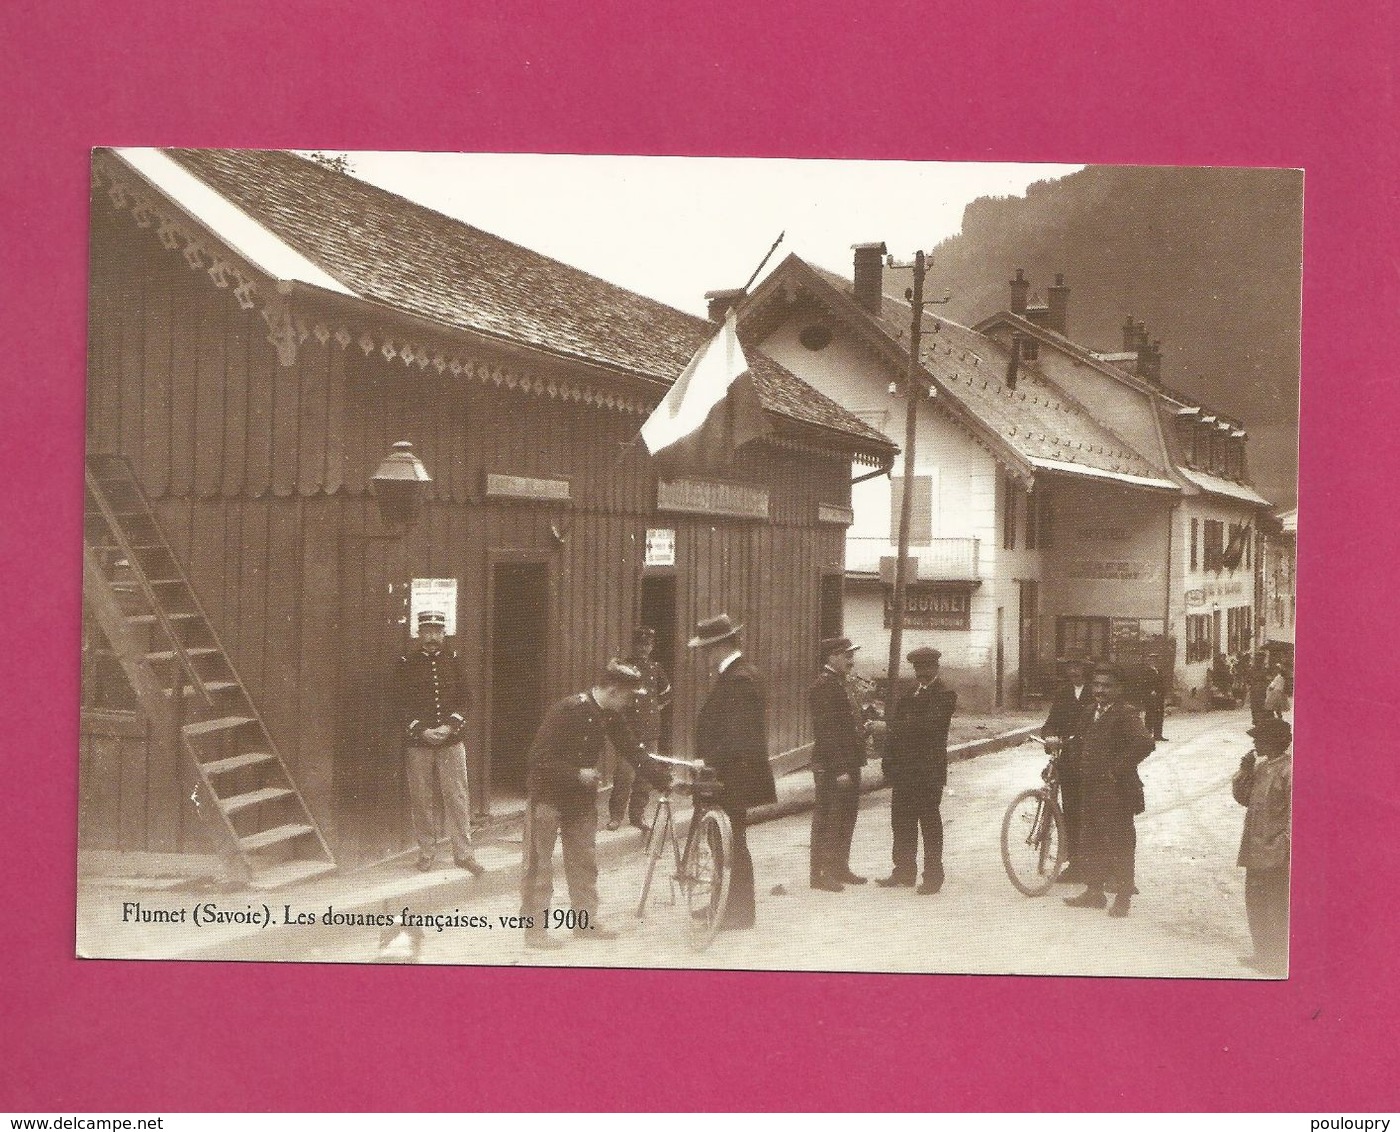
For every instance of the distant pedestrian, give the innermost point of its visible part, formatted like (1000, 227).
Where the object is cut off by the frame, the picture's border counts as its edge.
(431, 697)
(562, 782)
(629, 794)
(1154, 702)
(916, 766)
(1264, 783)
(838, 753)
(731, 736)
(1067, 708)
(1276, 699)
(1259, 692)
(1113, 742)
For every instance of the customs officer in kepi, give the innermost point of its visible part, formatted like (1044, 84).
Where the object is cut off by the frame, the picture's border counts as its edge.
(916, 766)
(731, 736)
(1112, 742)
(562, 782)
(629, 795)
(1072, 698)
(432, 700)
(838, 753)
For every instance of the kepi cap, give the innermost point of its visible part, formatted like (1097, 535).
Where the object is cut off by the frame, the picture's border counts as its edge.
(430, 618)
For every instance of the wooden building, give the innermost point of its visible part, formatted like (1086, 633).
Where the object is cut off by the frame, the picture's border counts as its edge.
(262, 331)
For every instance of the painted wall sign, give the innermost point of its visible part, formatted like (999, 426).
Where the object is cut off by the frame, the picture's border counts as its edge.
(526, 487)
(705, 497)
(1110, 570)
(433, 593)
(661, 547)
(933, 607)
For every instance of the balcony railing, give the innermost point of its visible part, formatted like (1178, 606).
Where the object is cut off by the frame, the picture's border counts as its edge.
(944, 560)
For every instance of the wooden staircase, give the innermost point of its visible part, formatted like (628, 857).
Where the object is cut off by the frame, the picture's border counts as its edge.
(155, 626)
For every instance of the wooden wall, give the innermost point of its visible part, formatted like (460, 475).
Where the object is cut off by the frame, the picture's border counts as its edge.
(259, 472)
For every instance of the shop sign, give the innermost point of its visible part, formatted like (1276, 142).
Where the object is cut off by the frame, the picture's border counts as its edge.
(661, 547)
(526, 487)
(1124, 629)
(933, 606)
(1109, 570)
(438, 594)
(705, 497)
(1195, 598)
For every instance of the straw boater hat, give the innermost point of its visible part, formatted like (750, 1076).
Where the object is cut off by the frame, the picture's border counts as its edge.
(713, 630)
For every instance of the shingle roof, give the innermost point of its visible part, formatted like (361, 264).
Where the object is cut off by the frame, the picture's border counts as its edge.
(387, 249)
(1037, 419)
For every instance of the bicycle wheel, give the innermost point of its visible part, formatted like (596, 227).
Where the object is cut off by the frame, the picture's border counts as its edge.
(705, 873)
(661, 831)
(1032, 842)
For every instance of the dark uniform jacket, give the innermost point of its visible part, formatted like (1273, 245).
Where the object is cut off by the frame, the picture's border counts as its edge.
(1110, 750)
(731, 735)
(1066, 711)
(644, 717)
(839, 737)
(430, 690)
(570, 739)
(918, 737)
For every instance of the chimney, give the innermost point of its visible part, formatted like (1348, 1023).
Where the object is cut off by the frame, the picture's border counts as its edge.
(1020, 288)
(1149, 356)
(1130, 335)
(717, 303)
(1057, 297)
(868, 273)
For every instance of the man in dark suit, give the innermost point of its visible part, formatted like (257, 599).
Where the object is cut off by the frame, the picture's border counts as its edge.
(1112, 742)
(731, 736)
(1072, 697)
(916, 765)
(838, 753)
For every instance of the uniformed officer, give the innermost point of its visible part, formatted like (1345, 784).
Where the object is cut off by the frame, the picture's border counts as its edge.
(916, 764)
(432, 703)
(629, 796)
(563, 800)
(838, 753)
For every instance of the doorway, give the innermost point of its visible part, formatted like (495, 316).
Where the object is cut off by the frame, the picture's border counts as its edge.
(658, 612)
(831, 614)
(1028, 670)
(519, 665)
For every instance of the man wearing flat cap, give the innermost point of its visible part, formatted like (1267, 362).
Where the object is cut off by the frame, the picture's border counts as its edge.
(838, 753)
(1264, 783)
(431, 695)
(629, 793)
(731, 736)
(562, 782)
(916, 766)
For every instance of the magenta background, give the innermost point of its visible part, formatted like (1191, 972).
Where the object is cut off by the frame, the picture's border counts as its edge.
(1278, 84)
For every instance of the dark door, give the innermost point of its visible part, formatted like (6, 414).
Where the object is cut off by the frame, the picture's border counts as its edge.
(659, 613)
(831, 617)
(1029, 671)
(519, 658)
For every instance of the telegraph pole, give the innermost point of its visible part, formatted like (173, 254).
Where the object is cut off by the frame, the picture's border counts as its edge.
(912, 388)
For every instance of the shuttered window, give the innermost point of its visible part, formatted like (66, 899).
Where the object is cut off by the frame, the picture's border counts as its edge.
(920, 513)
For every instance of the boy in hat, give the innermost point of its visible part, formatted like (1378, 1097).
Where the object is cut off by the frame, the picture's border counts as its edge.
(563, 799)
(731, 735)
(432, 701)
(629, 796)
(838, 753)
(1265, 785)
(916, 766)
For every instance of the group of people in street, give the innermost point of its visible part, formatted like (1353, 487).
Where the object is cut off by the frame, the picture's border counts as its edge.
(1098, 737)
(1099, 742)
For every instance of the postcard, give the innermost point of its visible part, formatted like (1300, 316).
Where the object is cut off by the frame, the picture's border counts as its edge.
(689, 563)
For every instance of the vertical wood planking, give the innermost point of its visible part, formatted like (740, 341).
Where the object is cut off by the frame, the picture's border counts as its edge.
(210, 376)
(313, 371)
(285, 384)
(132, 352)
(281, 699)
(318, 659)
(262, 370)
(335, 454)
(156, 380)
(185, 310)
(235, 466)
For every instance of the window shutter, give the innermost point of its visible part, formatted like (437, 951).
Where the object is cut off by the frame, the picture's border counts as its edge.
(920, 513)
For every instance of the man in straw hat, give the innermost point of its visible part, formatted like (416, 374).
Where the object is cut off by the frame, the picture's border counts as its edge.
(432, 701)
(563, 801)
(1265, 784)
(916, 766)
(731, 736)
(838, 753)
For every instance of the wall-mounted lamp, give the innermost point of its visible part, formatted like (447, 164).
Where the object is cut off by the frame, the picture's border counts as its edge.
(399, 484)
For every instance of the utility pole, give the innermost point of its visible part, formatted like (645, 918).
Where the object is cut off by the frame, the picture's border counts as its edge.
(912, 388)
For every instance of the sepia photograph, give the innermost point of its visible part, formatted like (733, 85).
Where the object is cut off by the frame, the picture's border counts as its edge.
(647, 562)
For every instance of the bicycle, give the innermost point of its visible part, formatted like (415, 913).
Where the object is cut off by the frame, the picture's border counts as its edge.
(703, 866)
(1033, 834)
